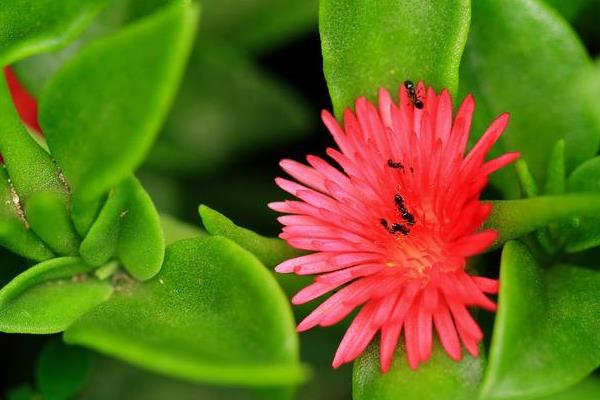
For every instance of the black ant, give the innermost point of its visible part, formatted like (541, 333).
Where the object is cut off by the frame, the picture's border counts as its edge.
(412, 94)
(399, 228)
(395, 227)
(384, 222)
(399, 200)
(408, 217)
(397, 165)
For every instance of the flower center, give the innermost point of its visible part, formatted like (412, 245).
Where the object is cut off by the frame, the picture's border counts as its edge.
(415, 246)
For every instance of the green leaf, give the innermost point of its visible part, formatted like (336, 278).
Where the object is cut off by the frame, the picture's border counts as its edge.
(212, 314)
(100, 139)
(35, 26)
(100, 243)
(367, 45)
(521, 57)
(51, 221)
(202, 134)
(141, 246)
(585, 178)
(52, 307)
(270, 251)
(513, 219)
(438, 379)
(57, 268)
(128, 227)
(61, 371)
(175, 230)
(29, 166)
(14, 232)
(49, 296)
(588, 389)
(546, 331)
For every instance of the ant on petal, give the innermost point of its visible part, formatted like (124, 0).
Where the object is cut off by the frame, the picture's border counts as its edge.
(412, 94)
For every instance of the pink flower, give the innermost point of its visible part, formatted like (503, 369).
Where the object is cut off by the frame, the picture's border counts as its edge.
(391, 228)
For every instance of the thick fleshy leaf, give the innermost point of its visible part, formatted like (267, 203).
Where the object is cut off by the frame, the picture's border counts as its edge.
(100, 242)
(14, 232)
(518, 58)
(270, 251)
(57, 268)
(127, 227)
(29, 166)
(546, 332)
(51, 221)
(513, 219)
(52, 307)
(588, 389)
(49, 296)
(367, 45)
(586, 233)
(439, 379)
(141, 245)
(99, 140)
(259, 24)
(212, 314)
(34, 26)
(226, 107)
(61, 371)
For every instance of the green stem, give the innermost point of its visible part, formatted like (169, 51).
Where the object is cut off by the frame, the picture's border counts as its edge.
(514, 218)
